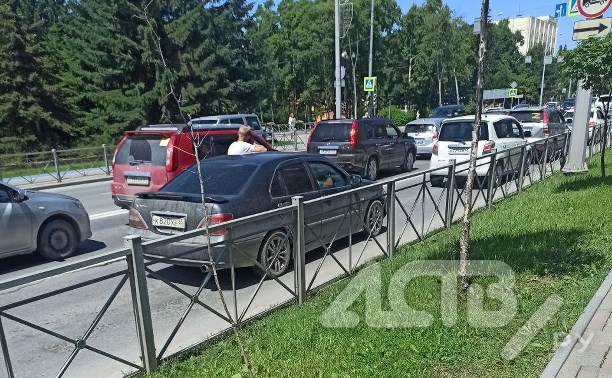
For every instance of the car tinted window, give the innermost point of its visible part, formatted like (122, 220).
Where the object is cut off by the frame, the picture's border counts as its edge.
(204, 122)
(332, 132)
(445, 111)
(143, 149)
(506, 128)
(225, 178)
(600, 115)
(422, 128)
(276, 186)
(295, 179)
(253, 122)
(392, 132)
(214, 145)
(326, 176)
(4, 196)
(236, 121)
(462, 131)
(528, 116)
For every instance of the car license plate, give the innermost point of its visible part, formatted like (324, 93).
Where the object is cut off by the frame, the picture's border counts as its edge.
(419, 141)
(458, 151)
(328, 152)
(168, 222)
(140, 181)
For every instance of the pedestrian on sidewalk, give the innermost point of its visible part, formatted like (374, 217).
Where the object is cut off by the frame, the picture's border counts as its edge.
(291, 122)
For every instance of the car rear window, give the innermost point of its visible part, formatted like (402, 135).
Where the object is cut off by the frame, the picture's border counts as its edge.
(204, 122)
(446, 111)
(220, 179)
(462, 131)
(332, 132)
(528, 116)
(419, 128)
(143, 149)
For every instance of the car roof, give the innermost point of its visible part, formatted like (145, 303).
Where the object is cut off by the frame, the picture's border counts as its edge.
(350, 120)
(485, 117)
(263, 157)
(531, 109)
(179, 128)
(224, 116)
(427, 121)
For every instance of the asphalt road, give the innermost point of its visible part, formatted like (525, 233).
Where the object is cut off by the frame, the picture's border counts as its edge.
(34, 354)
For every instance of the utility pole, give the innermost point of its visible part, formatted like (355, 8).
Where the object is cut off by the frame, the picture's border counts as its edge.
(371, 102)
(337, 82)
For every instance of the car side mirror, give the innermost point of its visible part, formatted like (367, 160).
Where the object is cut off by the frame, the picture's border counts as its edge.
(404, 134)
(569, 121)
(20, 196)
(355, 180)
(527, 134)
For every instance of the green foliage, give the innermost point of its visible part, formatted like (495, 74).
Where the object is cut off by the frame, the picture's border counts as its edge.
(591, 61)
(398, 115)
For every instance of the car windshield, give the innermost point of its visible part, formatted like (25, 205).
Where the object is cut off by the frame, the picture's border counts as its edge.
(462, 131)
(143, 149)
(204, 122)
(220, 179)
(445, 111)
(419, 128)
(569, 115)
(528, 116)
(328, 132)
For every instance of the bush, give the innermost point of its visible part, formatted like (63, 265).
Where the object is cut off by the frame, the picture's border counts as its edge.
(470, 108)
(398, 115)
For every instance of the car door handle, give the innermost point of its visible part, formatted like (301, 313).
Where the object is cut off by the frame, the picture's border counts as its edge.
(284, 204)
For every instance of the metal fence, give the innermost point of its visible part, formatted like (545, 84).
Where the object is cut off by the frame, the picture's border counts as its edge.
(55, 165)
(286, 138)
(414, 208)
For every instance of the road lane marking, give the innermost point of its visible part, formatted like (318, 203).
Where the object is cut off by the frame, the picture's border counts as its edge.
(108, 214)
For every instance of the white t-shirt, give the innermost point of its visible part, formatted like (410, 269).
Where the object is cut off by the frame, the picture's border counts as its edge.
(239, 148)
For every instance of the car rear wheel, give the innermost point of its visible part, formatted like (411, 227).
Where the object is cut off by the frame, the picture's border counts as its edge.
(57, 240)
(371, 169)
(374, 218)
(408, 162)
(274, 255)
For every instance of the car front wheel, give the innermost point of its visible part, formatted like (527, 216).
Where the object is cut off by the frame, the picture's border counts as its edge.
(57, 240)
(408, 162)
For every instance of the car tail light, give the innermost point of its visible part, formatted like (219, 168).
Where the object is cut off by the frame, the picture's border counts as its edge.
(216, 219)
(434, 150)
(170, 158)
(135, 219)
(545, 121)
(312, 132)
(488, 147)
(353, 139)
(592, 124)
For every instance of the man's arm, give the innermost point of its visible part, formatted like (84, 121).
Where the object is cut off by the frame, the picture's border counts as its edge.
(259, 148)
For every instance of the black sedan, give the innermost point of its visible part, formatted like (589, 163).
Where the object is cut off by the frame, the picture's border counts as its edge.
(238, 186)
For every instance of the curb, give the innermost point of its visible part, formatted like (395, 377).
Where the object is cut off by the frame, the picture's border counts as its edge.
(70, 182)
(561, 355)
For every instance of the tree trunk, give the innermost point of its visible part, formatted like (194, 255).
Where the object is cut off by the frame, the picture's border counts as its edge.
(604, 141)
(456, 86)
(464, 241)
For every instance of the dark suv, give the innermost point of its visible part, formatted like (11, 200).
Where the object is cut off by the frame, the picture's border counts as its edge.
(363, 145)
(448, 111)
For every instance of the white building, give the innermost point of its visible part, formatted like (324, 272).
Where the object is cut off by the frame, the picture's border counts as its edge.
(535, 30)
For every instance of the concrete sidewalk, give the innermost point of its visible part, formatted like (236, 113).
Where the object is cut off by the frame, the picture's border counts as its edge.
(587, 351)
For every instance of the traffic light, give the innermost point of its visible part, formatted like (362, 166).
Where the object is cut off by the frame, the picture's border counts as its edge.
(375, 98)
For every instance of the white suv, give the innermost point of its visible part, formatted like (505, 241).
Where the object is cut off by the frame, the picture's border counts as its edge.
(497, 133)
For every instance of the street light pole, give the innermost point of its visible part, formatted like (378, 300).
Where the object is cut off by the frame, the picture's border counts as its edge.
(371, 102)
(337, 82)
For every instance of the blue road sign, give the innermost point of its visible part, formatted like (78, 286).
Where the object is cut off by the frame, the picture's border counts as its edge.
(561, 10)
(369, 83)
(572, 8)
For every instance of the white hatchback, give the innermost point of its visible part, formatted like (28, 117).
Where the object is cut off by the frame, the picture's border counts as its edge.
(497, 133)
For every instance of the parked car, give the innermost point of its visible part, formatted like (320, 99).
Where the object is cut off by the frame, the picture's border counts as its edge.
(235, 119)
(448, 111)
(568, 103)
(569, 117)
(238, 186)
(425, 132)
(363, 146)
(147, 158)
(496, 133)
(521, 106)
(49, 223)
(497, 111)
(602, 101)
(552, 105)
(540, 121)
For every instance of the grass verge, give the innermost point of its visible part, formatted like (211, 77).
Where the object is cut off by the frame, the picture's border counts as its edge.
(557, 238)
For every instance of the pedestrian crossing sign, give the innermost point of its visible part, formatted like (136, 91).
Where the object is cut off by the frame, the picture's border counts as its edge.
(512, 93)
(572, 8)
(369, 84)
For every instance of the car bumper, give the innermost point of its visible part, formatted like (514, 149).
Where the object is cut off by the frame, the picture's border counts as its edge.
(461, 168)
(123, 201)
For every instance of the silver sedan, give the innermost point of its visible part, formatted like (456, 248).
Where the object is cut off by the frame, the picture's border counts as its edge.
(49, 223)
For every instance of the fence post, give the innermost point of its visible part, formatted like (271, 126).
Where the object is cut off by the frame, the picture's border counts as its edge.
(592, 143)
(299, 249)
(105, 152)
(391, 218)
(295, 137)
(545, 160)
(450, 193)
(55, 163)
(5, 352)
(140, 302)
(491, 180)
(521, 172)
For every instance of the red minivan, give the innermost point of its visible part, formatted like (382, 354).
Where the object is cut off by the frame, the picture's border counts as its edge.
(147, 158)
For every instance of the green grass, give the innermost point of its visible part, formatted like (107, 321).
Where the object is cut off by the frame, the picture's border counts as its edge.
(556, 236)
